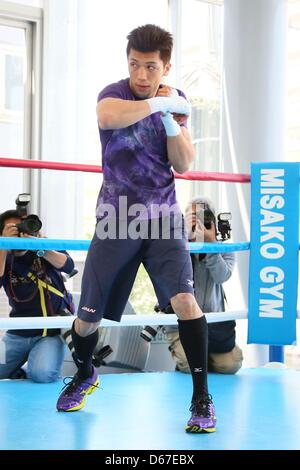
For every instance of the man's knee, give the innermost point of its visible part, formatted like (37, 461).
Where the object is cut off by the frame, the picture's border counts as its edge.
(185, 306)
(84, 328)
(226, 363)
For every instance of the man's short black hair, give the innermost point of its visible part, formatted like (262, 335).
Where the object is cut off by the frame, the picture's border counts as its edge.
(151, 38)
(11, 214)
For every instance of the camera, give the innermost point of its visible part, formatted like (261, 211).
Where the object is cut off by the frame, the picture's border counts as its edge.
(224, 227)
(30, 224)
(98, 356)
(22, 202)
(148, 333)
(207, 217)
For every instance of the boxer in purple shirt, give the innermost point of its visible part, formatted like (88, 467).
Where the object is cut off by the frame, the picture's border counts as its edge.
(142, 126)
(135, 158)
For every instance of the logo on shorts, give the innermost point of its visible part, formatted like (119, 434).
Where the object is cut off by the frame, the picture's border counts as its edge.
(198, 369)
(190, 283)
(89, 310)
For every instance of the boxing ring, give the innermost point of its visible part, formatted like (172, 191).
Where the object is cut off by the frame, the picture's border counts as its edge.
(256, 409)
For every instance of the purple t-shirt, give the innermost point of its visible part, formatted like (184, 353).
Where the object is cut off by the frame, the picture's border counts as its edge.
(135, 160)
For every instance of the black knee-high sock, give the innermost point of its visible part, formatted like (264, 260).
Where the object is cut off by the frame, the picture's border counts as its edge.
(193, 335)
(84, 348)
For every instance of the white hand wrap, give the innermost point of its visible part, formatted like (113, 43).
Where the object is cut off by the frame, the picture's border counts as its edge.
(174, 92)
(171, 126)
(170, 104)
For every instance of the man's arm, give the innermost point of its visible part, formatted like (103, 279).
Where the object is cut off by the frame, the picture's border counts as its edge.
(220, 266)
(181, 151)
(58, 260)
(10, 230)
(115, 113)
(3, 254)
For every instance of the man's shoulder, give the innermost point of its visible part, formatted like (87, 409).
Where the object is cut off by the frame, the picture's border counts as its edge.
(118, 89)
(121, 84)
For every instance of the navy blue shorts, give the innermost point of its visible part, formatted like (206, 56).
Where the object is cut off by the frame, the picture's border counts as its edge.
(111, 267)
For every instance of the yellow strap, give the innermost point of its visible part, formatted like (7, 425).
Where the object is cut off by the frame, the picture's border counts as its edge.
(43, 305)
(45, 286)
(41, 286)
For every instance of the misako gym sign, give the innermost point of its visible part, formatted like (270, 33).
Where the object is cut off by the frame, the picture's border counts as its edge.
(274, 248)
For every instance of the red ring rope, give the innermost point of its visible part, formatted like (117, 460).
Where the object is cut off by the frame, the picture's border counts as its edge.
(189, 175)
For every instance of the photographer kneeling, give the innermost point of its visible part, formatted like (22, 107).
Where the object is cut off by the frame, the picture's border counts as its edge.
(210, 272)
(35, 287)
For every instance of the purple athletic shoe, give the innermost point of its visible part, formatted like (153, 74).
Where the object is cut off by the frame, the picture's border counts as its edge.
(203, 417)
(73, 395)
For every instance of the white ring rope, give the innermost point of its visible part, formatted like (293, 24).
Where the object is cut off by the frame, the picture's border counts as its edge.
(29, 323)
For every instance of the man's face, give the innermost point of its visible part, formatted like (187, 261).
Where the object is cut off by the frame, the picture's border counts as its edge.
(146, 70)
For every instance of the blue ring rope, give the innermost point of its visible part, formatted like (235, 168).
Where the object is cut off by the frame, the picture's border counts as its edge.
(11, 243)
(218, 247)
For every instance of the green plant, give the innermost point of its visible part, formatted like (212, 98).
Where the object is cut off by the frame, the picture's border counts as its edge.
(142, 296)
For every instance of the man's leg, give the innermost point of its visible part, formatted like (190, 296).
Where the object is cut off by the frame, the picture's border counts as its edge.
(85, 332)
(45, 359)
(86, 380)
(85, 339)
(226, 363)
(109, 273)
(14, 351)
(168, 263)
(193, 333)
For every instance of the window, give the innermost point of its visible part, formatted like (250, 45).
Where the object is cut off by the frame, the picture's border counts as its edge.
(20, 43)
(19, 113)
(12, 67)
(12, 106)
(199, 70)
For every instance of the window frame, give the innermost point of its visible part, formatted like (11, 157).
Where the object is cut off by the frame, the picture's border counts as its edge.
(30, 19)
(176, 11)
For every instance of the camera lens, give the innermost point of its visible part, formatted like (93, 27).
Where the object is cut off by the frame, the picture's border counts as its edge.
(30, 225)
(208, 219)
(33, 224)
(148, 333)
(99, 356)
